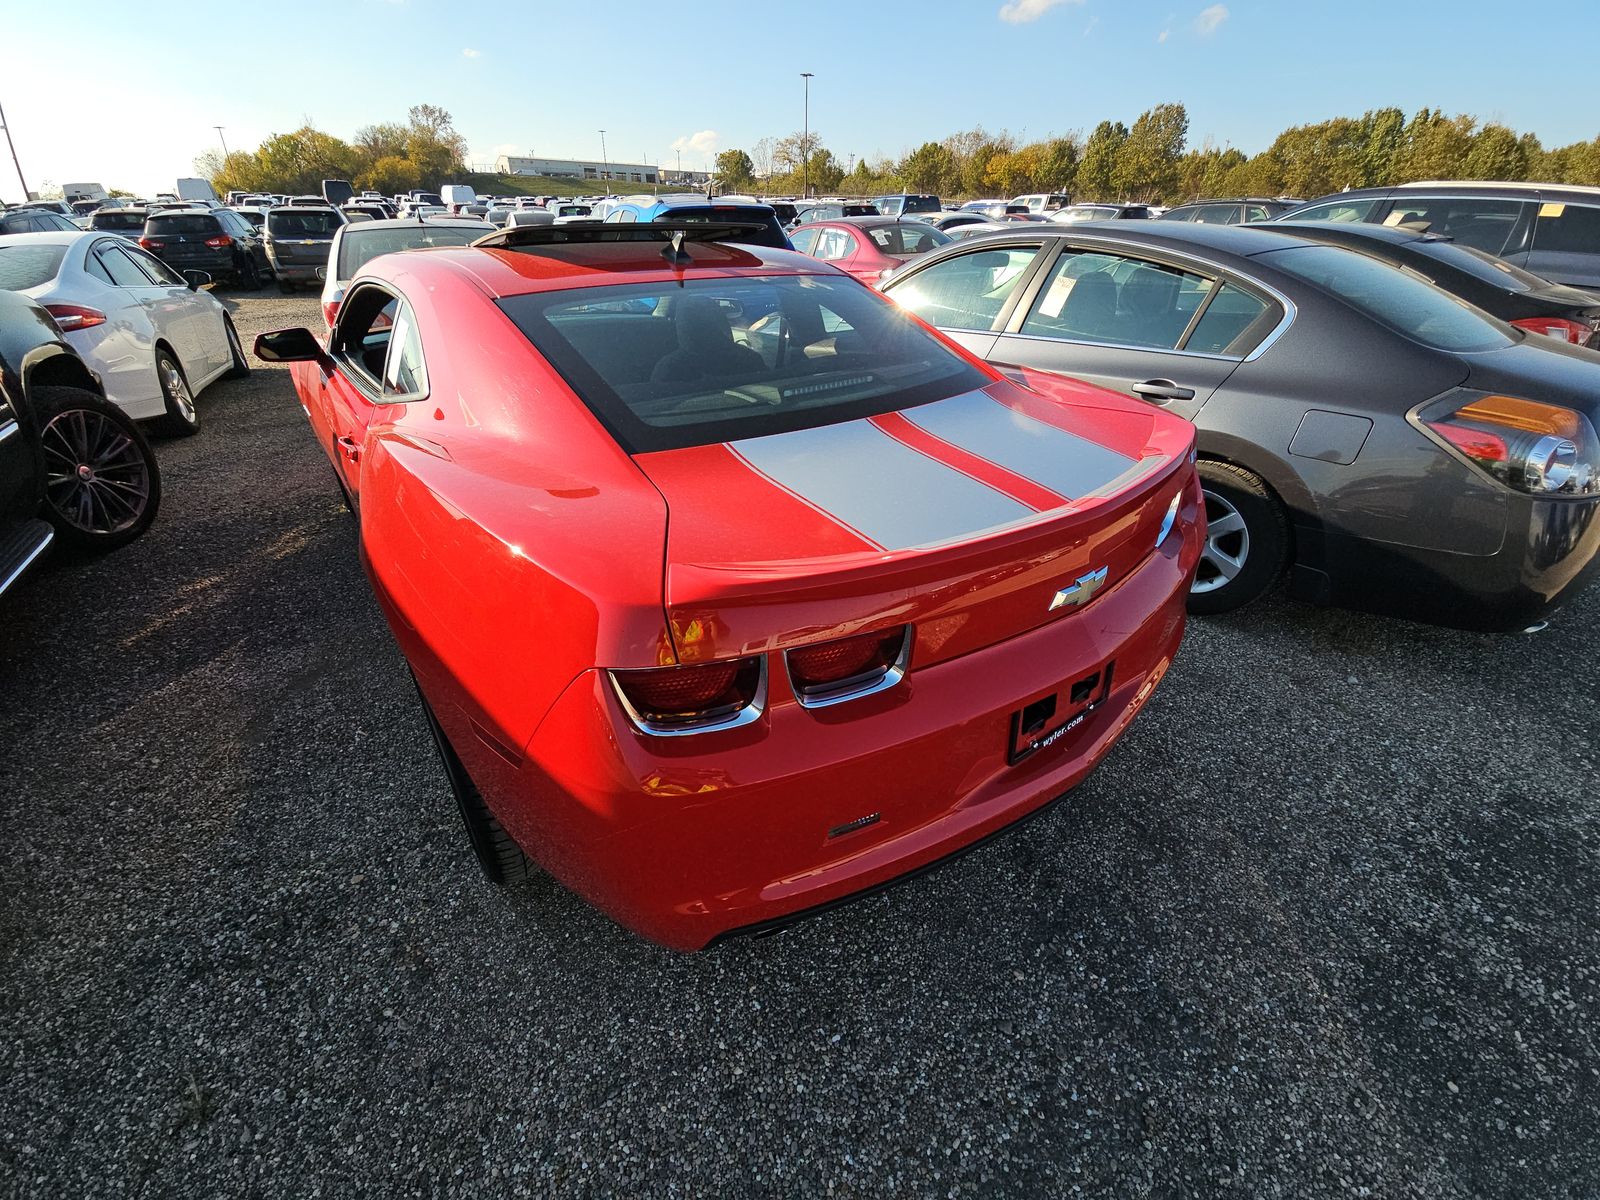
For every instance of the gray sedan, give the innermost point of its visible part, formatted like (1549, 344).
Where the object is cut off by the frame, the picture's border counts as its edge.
(1388, 445)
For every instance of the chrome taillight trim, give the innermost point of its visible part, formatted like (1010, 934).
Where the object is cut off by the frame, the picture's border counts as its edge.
(1171, 519)
(857, 687)
(710, 723)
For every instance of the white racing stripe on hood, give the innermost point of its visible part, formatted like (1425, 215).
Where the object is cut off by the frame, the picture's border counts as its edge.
(1067, 464)
(881, 488)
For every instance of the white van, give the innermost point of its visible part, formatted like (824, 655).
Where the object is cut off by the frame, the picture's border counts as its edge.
(457, 193)
(198, 189)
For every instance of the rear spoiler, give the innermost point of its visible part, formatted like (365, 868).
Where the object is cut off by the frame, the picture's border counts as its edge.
(671, 234)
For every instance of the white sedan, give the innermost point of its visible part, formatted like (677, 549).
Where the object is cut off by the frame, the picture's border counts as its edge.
(155, 340)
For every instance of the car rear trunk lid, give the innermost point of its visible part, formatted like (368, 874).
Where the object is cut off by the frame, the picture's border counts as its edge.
(965, 517)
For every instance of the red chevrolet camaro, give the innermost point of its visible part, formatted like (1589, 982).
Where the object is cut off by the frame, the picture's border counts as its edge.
(731, 589)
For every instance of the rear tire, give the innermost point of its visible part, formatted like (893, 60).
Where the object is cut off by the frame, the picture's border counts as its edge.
(121, 493)
(249, 275)
(1247, 540)
(183, 415)
(499, 857)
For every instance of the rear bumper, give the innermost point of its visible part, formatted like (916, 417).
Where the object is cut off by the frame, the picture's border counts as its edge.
(297, 271)
(1550, 551)
(684, 840)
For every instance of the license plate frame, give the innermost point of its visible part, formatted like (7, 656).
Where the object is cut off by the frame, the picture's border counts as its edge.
(1046, 720)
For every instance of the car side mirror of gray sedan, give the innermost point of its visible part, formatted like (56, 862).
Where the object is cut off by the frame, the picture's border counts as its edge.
(196, 279)
(291, 345)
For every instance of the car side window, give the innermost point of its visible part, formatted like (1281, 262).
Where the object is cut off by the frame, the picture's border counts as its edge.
(1337, 210)
(1231, 323)
(1568, 229)
(1255, 212)
(803, 240)
(833, 244)
(1216, 214)
(119, 265)
(376, 341)
(966, 291)
(1097, 297)
(154, 267)
(1486, 225)
(405, 375)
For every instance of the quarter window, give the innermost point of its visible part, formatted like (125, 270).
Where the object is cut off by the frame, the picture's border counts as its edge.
(1568, 228)
(834, 244)
(1343, 211)
(967, 291)
(1229, 322)
(378, 343)
(1093, 297)
(120, 266)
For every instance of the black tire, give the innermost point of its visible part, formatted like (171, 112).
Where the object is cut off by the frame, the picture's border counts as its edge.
(122, 494)
(183, 414)
(249, 274)
(1247, 534)
(241, 365)
(499, 857)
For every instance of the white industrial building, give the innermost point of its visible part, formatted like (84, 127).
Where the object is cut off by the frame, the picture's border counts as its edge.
(571, 168)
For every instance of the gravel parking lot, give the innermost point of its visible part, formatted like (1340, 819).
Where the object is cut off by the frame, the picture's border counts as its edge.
(1324, 923)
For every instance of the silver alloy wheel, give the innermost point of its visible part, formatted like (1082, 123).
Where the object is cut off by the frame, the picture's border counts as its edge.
(177, 390)
(96, 476)
(1227, 545)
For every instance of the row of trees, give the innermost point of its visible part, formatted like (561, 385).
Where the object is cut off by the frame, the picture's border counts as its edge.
(424, 152)
(1151, 161)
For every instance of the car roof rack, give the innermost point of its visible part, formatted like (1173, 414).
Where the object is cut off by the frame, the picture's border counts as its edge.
(669, 233)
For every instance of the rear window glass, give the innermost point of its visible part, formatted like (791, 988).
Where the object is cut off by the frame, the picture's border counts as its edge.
(666, 365)
(1401, 301)
(25, 266)
(1568, 228)
(921, 204)
(359, 247)
(1483, 267)
(177, 223)
(771, 233)
(308, 222)
(910, 238)
(120, 221)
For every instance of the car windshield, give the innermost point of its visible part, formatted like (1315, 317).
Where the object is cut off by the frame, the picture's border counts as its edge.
(1402, 301)
(360, 246)
(183, 224)
(308, 222)
(907, 238)
(690, 363)
(28, 264)
(1482, 266)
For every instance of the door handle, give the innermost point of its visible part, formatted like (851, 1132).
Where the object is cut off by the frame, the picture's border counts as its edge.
(1162, 389)
(348, 448)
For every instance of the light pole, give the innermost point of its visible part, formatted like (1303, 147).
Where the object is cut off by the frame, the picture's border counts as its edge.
(25, 194)
(605, 166)
(805, 138)
(224, 142)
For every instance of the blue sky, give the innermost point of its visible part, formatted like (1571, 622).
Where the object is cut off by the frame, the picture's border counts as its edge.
(545, 77)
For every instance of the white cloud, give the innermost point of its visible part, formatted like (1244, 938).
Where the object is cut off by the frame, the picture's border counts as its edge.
(1161, 38)
(1208, 20)
(469, 53)
(1089, 28)
(1020, 12)
(704, 143)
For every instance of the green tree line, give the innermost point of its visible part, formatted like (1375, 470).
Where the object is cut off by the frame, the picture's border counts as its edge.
(424, 152)
(1151, 161)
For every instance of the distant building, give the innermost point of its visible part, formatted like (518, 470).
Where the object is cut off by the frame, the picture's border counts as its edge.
(577, 168)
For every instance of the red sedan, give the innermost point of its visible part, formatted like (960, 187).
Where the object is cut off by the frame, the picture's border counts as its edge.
(868, 247)
(731, 589)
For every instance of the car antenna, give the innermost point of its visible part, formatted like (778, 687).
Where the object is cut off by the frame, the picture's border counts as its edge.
(673, 251)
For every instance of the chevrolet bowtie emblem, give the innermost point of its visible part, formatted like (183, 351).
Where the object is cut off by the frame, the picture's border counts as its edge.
(1081, 589)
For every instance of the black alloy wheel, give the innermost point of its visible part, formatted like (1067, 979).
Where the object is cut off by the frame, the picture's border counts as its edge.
(102, 485)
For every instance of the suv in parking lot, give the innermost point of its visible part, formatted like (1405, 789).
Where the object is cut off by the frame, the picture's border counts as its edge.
(695, 207)
(298, 240)
(34, 220)
(219, 242)
(1550, 229)
(124, 222)
(905, 203)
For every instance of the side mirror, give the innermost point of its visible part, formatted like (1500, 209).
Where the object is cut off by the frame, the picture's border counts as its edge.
(196, 279)
(291, 345)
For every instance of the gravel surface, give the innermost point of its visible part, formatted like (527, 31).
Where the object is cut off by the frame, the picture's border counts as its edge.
(1323, 924)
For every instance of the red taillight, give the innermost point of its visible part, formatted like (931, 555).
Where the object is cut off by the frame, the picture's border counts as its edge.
(847, 667)
(692, 698)
(1557, 327)
(1526, 444)
(1474, 443)
(330, 311)
(150, 243)
(73, 317)
(218, 242)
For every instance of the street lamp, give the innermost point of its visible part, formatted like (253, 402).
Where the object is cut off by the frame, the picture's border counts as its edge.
(605, 166)
(805, 138)
(26, 195)
(224, 142)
